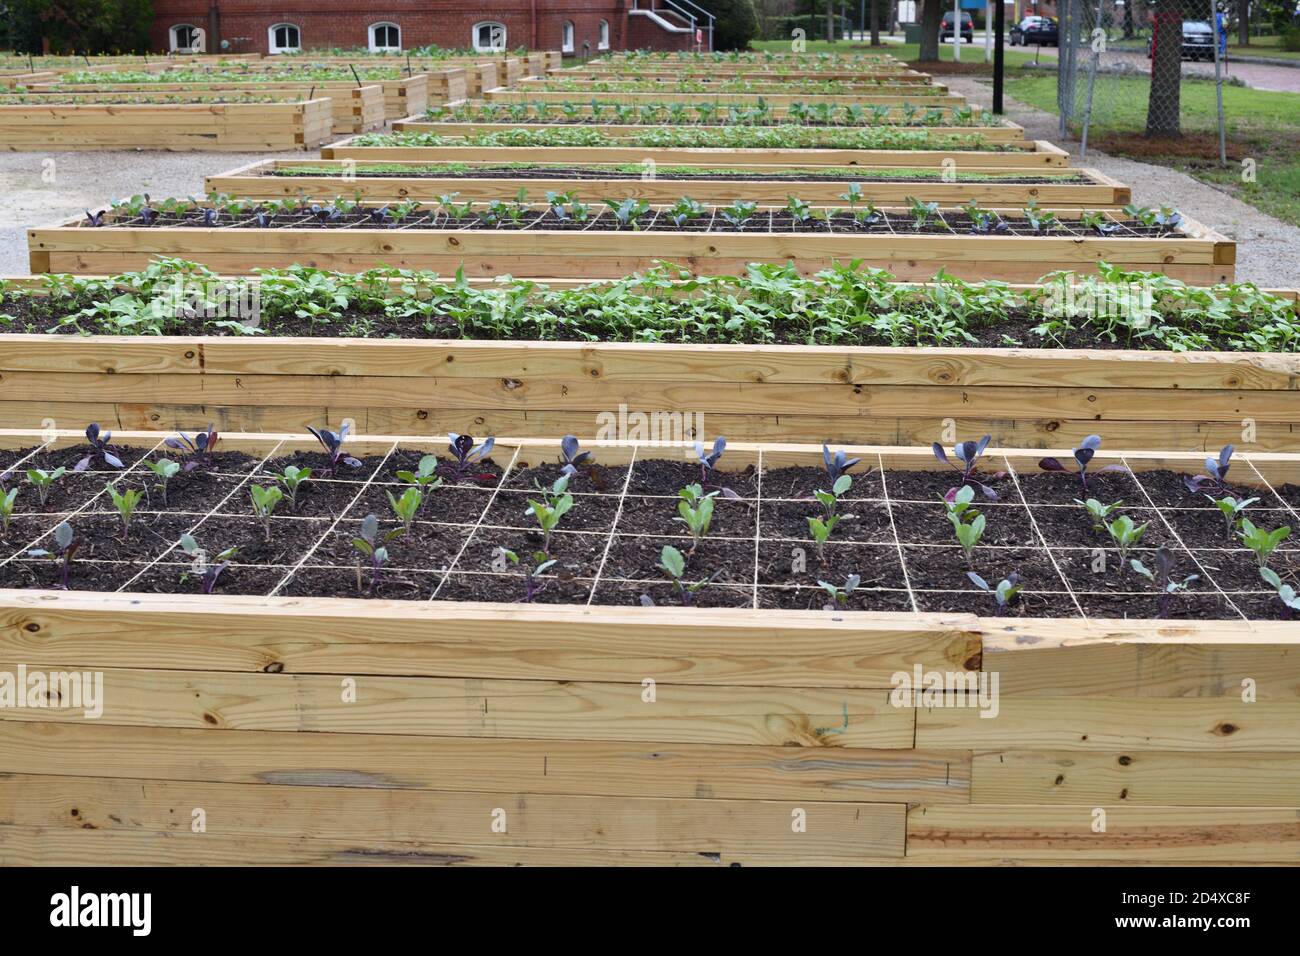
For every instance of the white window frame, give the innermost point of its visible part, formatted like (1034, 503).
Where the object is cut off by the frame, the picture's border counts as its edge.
(489, 48)
(373, 30)
(568, 37)
(176, 45)
(270, 38)
(603, 37)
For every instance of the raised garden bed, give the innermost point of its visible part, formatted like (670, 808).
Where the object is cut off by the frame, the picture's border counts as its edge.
(532, 95)
(420, 354)
(689, 85)
(523, 240)
(618, 525)
(884, 74)
(767, 185)
(1038, 154)
(239, 127)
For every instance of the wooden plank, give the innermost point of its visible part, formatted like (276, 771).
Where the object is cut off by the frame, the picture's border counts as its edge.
(1146, 778)
(353, 637)
(1137, 659)
(390, 761)
(1075, 723)
(1137, 834)
(846, 831)
(472, 707)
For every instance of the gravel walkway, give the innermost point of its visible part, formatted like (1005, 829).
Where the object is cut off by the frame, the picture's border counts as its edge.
(1266, 247)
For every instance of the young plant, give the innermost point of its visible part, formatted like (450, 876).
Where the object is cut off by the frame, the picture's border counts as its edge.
(1162, 578)
(800, 211)
(406, 507)
(125, 502)
(1099, 222)
(555, 504)
(197, 449)
(684, 211)
(466, 454)
(43, 481)
(1217, 479)
(265, 498)
(1038, 220)
(164, 469)
(208, 571)
(837, 463)
(673, 565)
(738, 213)
(7, 500)
(1231, 509)
(830, 500)
(840, 595)
(628, 212)
(1083, 456)
(1126, 534)
(709, 463)
(370, 544)
(572, 458)
(1263, 543)
(1285, 592)
(820, 529)
(968, 454)
(1005, 593)
(332, 442)
(1098, 511)
(921, 211)
(292, 480)
(541, 564)
(424, 477)
(696, 512)
(65, 546)
(967, 523)
(99, 448)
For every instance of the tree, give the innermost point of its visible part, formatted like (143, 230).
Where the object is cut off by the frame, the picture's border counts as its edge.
(736, 23)
(1163, 101)
(931, 14)
(83, 26)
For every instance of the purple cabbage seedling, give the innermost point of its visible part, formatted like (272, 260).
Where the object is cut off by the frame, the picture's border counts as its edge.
(370, 543)
(198, 450)
(65, 546)
(99, 448)
(709, 463)
(95, 218)
(208, 571)
(1005, 593)
(1162, 578)
(837, 463)
(840, 595)
(466, 455)
(967, 455)
(332, 442)
(1083, 456)
(1217, 479)
(574, 460)
(541, 564)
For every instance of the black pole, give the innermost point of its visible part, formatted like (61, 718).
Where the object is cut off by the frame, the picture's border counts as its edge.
(999, 21)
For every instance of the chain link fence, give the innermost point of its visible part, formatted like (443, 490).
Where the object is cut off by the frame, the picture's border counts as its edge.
(1118, 71)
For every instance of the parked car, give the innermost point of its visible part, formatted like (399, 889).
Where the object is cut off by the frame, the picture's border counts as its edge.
(967, 27)
(1040, 31)
(1198, 40)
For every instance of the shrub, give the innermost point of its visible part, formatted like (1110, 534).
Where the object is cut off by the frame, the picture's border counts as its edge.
(735, 25)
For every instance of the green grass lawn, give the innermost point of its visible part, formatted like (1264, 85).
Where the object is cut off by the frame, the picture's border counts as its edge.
(1262, 125)
(972, 54)
(1263, 46)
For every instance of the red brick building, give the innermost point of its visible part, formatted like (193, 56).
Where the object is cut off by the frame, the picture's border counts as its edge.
(578, 27)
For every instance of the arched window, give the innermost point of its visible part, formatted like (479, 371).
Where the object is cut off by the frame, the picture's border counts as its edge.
(184, 36)
(566, 41)
(283, 38)
(603, 41)
(489, 36)
(385, 37)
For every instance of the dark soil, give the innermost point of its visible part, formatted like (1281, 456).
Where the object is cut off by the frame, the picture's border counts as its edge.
(757, 553)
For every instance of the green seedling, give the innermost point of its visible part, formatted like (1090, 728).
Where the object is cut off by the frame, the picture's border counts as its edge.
(126, 503)
(967, 523)
(541, 564)
(673, 564)
(265, 499)
(1285, 592)
(65, 546)
(830, 500)
(1125, 534)
(695, 510)
(7, 510)
(164, 470)
(820, 529)
(840, 595)
(1005, 592)
(555, 504)
(1231, 509)
(1098, 511)
(208, 570)
(1263, 543)
(424, 477)
(406, 507)
(43, 481)
(1162, 578)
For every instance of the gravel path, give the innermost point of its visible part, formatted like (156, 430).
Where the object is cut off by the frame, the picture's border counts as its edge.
(89, 180)
(1266, 247)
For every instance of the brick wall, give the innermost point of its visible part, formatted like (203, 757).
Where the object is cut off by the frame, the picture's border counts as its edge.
(446, 23)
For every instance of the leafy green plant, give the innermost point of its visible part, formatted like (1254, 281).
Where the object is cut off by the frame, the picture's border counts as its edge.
(125, 503)
(840, 594)
(628, 212)
(406, 507)
(541, 563)
(695, 510)
(371, 545)
(291, 480)
(164, 469)
(684, 210)
(820, 530)
(1231, 509)
(209, 570)
(830, 500)
(43, 481)
(1005, 593)
(424, 477)
(1285, 592)
(673, 564)
(7, 500)
(1098, 512)
(967, 523)
(1038, 219)
(1125, 534)
(1261, 541)
(738, 213)
(265, 499)
(921, 211)
(555, 504)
